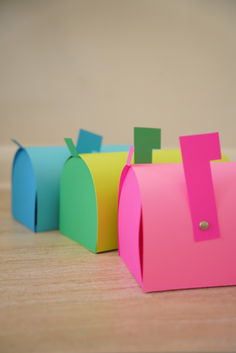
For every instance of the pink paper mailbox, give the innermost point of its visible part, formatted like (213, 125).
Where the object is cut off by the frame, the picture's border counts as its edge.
(176, 222)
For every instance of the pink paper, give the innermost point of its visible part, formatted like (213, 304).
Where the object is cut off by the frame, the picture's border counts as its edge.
(123, 176)
(129, 227)
(197, 152)
(155, 227)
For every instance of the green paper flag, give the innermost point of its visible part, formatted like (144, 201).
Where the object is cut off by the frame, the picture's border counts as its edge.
(71, 147)
(145, 140)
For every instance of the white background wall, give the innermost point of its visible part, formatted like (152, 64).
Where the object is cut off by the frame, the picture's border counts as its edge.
(107, 65)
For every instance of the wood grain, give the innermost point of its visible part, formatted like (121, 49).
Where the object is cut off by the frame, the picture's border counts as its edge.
(55, 296)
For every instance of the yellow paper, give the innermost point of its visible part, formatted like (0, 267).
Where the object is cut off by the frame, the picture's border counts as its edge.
(173, 156)
(106, 169)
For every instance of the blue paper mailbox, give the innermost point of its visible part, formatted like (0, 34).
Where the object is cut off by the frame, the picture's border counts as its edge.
(36, 173)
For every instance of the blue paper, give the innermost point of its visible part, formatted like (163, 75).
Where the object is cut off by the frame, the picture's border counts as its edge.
(23, 189)
(115, 148)
(36, 176)
(88, 142)
(35, 186)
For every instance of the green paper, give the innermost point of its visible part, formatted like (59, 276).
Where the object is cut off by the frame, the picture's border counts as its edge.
(71, 147)
(79, 226)
(145, 140)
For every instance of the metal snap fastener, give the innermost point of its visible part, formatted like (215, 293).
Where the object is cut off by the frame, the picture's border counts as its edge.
(204, 225)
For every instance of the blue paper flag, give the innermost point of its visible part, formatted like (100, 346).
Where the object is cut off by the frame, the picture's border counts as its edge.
(88, 142)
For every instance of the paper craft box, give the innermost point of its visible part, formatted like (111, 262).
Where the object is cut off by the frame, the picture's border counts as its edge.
(176, 222)
(88, 199)
(36, 173)
(89, 195)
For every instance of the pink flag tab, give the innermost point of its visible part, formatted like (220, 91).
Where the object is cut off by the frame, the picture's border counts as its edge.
(130, 155)
(197, 152)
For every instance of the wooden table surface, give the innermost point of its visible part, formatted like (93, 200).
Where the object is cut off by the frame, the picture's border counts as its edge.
(55, 296)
